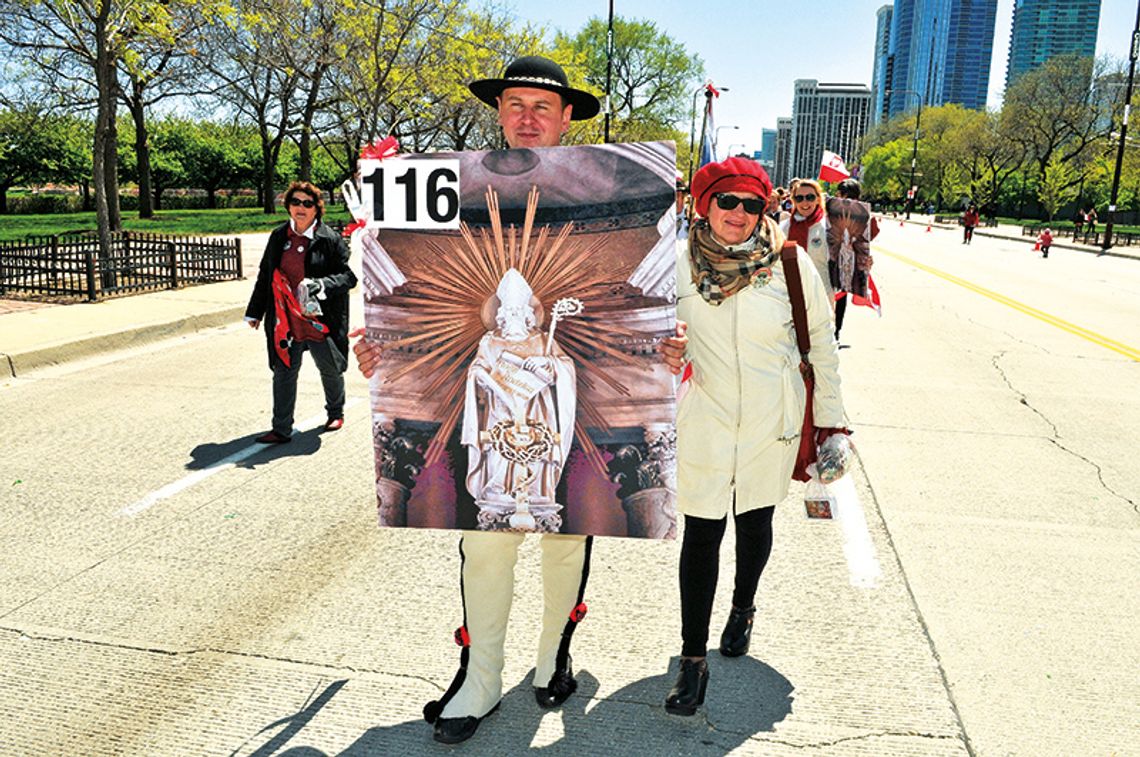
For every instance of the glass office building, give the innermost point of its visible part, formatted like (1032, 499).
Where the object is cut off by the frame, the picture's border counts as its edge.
(881, 76)
(940, 50)
(1043, 29)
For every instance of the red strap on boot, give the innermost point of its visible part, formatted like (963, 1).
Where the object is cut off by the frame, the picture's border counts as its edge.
(578, 612)
(462, 638)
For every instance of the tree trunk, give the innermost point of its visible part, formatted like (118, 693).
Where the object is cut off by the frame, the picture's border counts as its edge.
(85, 191)
(157, 190)
(111, 161)
(142, 149)
(4, 199)
(305, 169)
(211, 199)
(105, 116)
(267, 171)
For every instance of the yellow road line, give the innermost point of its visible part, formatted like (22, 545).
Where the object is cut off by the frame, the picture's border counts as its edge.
(1091, 336)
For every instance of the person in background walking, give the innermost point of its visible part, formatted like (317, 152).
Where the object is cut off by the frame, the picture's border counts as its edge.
(1078, 221)
(848, 188)
(737, 426)
(969, 222)
(1090, 220)
(1044, 240)
(302, 296)
(807, 226)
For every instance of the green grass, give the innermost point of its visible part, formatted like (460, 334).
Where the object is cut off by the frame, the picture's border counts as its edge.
(193, 222)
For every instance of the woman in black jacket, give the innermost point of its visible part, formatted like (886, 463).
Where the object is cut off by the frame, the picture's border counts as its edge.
(302, 296)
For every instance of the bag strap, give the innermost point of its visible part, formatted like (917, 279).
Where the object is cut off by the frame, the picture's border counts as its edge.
(796, 295)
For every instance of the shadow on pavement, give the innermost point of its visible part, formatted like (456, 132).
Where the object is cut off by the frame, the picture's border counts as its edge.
(293, 725)
(209, 454)
(746, 697)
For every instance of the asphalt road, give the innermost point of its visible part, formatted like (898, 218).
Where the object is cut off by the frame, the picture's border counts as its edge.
(154, 601)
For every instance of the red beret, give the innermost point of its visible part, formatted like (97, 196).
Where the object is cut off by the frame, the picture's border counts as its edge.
(731, 175)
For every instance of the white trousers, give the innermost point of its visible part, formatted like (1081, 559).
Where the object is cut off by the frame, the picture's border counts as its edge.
(488, 582)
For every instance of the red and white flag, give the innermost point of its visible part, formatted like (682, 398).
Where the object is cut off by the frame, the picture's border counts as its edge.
(831, 168)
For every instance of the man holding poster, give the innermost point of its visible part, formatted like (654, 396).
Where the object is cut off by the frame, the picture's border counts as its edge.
(519, 390)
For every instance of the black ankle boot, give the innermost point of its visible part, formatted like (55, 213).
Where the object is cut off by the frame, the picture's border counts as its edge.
(737, 632)
(561, 686)
(688, 691)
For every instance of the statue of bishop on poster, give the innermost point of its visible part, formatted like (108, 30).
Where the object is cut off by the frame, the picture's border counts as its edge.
(518, 416)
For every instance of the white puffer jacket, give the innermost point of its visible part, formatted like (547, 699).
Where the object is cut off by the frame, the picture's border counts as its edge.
(739, 421)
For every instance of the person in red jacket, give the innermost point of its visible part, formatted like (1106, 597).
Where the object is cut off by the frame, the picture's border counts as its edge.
(969, 221)
(1044, 240)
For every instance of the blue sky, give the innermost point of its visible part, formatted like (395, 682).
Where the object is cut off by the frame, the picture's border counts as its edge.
(757, 48)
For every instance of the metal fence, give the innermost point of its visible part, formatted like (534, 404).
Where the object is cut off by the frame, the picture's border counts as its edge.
(69, 266)
(1086, 236)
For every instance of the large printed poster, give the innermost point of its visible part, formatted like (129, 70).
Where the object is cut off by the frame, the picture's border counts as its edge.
(520, 386)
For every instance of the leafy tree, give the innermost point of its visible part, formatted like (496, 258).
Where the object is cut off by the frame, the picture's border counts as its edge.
(652, 78)
(1057, 186)
(1056, 116)
(35, 148)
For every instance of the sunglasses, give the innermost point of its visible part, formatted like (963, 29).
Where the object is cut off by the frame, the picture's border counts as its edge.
(751, 206)
(805, 198)
(297, 202)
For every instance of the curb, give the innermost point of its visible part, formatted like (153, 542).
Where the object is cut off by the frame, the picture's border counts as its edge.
(1028, 240)
(19, 363)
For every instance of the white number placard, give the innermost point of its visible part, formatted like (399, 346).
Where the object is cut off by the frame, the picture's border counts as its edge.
(411, 193)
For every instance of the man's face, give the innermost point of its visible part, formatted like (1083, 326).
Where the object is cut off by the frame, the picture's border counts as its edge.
(532, 117)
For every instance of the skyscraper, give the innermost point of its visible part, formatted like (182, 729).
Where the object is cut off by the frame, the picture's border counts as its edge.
(783, 151)
(880, 79)
(826, 117)
(940, 50)
(768, 144)
(1043, 29)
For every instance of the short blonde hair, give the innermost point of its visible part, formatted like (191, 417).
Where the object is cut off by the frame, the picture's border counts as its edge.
(796, 184)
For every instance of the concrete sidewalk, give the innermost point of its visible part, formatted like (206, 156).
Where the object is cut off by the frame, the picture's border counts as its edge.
(1012, 232)
(36, 335)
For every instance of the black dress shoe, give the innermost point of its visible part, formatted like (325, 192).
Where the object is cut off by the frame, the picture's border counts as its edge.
(688, 692)
(561, 686)
(737, 632)
(456, 730)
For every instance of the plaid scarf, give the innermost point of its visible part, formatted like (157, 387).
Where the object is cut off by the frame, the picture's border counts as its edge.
(720, 272)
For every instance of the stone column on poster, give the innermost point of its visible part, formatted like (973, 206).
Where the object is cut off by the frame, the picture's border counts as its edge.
(398, 462)
(647, 474)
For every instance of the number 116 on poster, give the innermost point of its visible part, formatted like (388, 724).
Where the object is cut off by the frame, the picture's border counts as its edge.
(411, 193)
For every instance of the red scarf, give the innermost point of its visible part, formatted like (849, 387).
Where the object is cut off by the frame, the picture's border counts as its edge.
(285, 305)
(798, 230)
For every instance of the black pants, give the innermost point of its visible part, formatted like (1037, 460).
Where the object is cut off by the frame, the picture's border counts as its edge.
(968, 235)
(840, 309)
(700, 560)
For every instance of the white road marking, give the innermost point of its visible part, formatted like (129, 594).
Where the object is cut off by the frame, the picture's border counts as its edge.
(857, 545)
(225, 463)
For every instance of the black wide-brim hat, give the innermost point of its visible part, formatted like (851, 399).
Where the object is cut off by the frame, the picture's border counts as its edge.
(539, 73)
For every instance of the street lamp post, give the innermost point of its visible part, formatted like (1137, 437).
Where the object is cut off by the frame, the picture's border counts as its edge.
(716, 140)
(734, 144)
(693, 122)
(912, 190)
(1123, 132)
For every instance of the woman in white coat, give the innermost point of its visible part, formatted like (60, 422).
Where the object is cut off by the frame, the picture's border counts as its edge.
(807, 226)
(739, 420)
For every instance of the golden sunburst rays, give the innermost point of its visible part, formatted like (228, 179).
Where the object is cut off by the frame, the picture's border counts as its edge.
(445, 313)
